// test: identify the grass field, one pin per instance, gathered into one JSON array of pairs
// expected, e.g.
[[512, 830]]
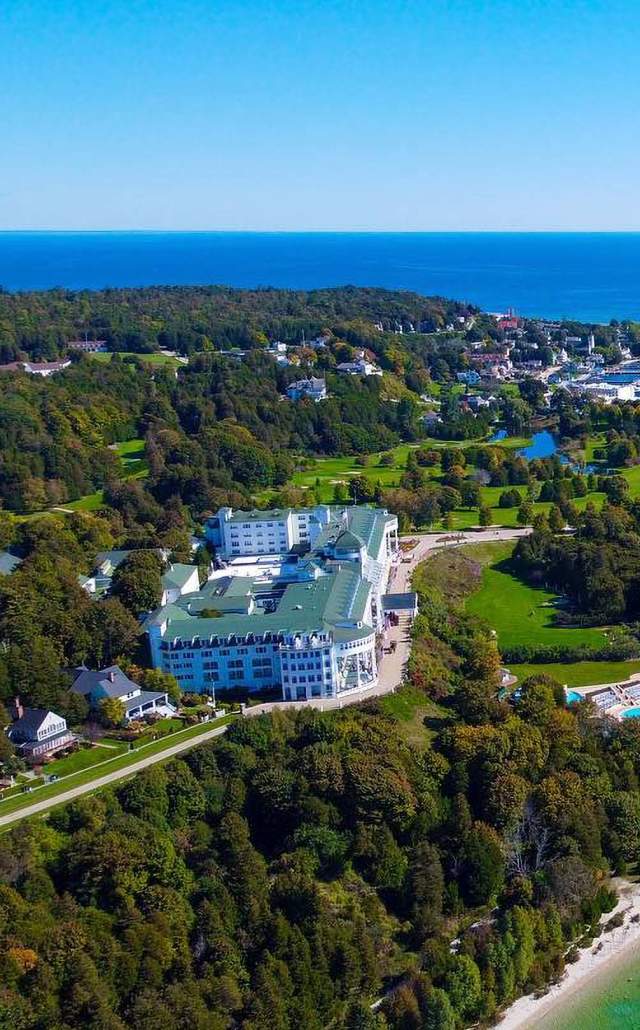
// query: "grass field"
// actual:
[[519, 613], [86, 758], [329, 471], [149, 359], [409, 707], [579, 674]]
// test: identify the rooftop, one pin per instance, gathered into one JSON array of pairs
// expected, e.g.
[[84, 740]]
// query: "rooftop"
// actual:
[[8, 563], [177, 575], [110, 681], [333, 602]]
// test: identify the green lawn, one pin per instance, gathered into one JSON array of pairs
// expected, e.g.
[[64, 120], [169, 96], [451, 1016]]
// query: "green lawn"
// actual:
[[521, 614], [149, 359], [579, 674], [334, 470], [13, 804], [330, 471], [409, 707], [132, 459], [85, 758]]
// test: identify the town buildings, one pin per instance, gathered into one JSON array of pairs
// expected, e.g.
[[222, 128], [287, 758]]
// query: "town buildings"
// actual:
[[36, 368], [300, 604]]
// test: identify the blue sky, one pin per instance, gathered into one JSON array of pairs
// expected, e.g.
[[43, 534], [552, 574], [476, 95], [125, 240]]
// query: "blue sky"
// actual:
[[340, 114]]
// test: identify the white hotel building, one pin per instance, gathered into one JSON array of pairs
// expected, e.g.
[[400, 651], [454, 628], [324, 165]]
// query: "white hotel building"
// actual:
[[299, 604]]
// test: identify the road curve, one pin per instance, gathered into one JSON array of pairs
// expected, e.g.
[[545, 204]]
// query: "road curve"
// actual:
[[112, 777]]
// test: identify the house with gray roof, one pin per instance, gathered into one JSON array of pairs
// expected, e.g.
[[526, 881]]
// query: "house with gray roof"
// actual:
[[38, 733], [97, 685]]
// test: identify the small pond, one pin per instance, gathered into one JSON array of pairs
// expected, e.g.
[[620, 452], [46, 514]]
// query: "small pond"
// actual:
[[543, 445]]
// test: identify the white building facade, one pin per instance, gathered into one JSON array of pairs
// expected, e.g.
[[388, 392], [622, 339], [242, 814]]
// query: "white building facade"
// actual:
[[310, 626]]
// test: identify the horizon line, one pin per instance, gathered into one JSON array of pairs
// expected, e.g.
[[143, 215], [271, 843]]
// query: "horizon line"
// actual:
[[324, 232]]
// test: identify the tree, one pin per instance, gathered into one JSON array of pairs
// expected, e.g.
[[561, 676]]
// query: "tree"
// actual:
[[464, 987], [485, 515], [112, 711], [436, 1010], [556, 520], [470, 493], [525, 513], [137, 581]]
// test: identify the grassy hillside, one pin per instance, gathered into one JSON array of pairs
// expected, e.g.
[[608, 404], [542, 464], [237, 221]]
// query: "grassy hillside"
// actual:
[[519, 613]]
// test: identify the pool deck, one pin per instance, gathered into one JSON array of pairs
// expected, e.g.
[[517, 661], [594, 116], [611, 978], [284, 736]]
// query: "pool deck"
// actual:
[[625, 701]]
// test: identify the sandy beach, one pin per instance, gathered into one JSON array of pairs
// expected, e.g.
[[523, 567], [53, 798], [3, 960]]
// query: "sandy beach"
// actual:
[[599, 960]]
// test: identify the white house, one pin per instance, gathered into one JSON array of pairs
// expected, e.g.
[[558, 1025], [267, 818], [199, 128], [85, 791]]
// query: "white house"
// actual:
[[178, 580], [314, 389], [359, 367], [112, 682], [38, 732], [36, 368]]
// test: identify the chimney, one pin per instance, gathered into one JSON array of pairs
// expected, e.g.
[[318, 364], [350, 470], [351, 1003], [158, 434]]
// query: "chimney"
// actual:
[[18, 710], [111, 676]]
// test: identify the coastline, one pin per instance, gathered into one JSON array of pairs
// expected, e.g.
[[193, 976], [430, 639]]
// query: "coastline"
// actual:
[[608, 954]]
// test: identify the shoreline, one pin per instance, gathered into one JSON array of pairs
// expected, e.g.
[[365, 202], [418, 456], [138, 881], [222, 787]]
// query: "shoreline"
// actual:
[[614, 948]]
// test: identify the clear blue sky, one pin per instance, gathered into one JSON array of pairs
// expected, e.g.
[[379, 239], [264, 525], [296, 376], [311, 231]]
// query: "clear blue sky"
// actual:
[[320, 114]]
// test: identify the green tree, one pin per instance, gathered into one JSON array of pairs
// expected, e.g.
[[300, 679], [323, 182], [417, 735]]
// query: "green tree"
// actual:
[[485, 515], [112, 711]]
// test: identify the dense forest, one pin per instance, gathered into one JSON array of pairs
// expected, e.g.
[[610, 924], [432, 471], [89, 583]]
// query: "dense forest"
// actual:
[[310, 864], [214, 413], [191, 318]]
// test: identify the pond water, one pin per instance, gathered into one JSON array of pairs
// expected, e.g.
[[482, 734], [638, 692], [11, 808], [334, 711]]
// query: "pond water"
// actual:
[[543, 445]]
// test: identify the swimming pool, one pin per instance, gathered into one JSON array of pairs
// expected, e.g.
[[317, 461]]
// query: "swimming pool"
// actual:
[[573, 696], [631, 713]]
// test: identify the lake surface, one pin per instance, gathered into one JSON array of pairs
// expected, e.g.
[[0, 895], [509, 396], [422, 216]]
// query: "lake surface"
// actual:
[[587, 276], [611, 1001]]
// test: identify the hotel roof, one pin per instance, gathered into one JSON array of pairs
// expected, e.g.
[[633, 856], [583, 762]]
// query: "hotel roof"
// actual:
[[335, 603]]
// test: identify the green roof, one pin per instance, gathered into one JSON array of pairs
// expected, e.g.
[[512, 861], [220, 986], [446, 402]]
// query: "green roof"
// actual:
[[323, 604], [177, 575]]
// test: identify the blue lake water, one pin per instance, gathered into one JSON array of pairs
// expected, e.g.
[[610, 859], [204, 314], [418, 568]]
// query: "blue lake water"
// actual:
[[588, 276], [543, 445]]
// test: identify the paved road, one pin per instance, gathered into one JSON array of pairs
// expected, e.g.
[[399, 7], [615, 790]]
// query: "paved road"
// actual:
[[112, 777]]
